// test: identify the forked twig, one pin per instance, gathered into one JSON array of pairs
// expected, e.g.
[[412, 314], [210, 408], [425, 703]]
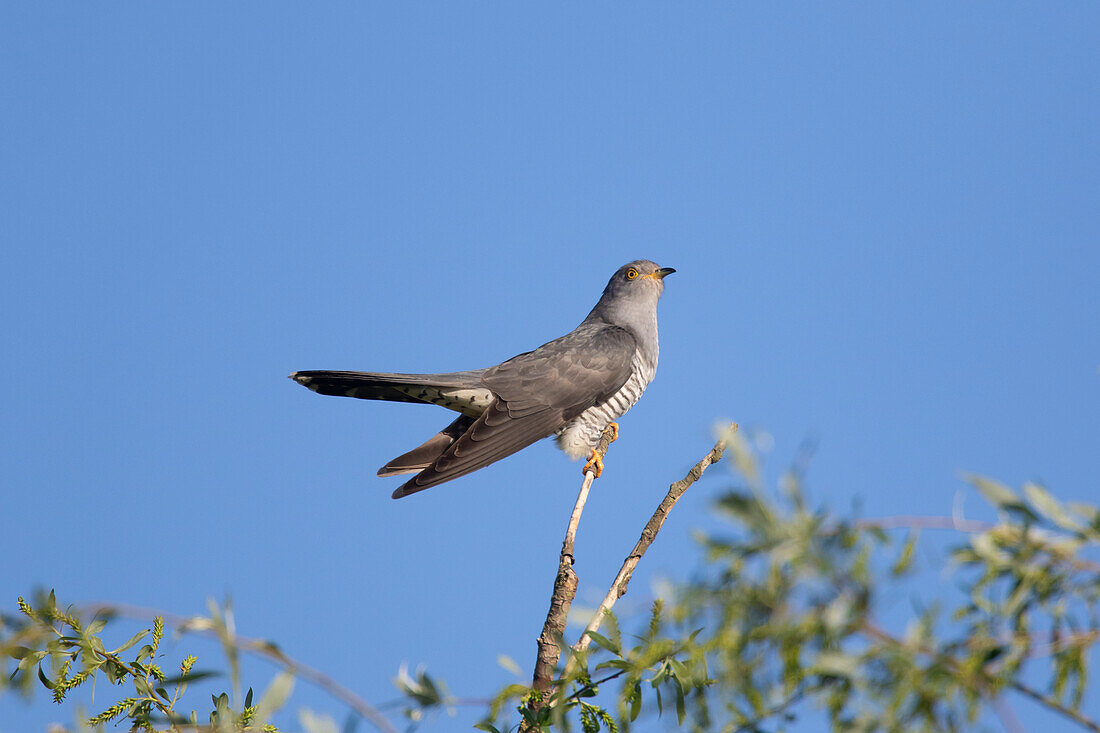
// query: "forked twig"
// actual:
[[565, 583], [649, 533]]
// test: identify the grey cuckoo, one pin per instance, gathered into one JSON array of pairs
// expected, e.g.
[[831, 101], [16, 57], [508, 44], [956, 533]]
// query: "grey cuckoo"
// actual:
[[572, 387]]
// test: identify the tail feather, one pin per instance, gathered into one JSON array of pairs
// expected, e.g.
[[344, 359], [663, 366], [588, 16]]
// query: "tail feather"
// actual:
[[459, 391], [424, 455]]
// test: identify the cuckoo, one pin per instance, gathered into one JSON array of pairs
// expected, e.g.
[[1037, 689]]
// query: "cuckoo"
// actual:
[[572, 387]]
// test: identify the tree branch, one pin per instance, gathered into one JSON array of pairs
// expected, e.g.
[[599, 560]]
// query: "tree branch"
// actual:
[[1049, 701], [754, 724], [561, 600], [922, 522], [257, 647], [649, 533], [1052, 702]]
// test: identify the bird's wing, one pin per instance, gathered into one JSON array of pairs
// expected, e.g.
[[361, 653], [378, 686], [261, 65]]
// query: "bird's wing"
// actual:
[[536, 394]]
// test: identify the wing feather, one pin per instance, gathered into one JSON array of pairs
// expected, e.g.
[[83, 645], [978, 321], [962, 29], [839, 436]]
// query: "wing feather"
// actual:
[[536, 394]]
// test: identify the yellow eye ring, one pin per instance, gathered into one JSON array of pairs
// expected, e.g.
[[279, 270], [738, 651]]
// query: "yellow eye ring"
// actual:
[[631, 274]]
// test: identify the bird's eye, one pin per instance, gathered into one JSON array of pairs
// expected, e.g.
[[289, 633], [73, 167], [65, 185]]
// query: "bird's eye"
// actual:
[[631, 274]]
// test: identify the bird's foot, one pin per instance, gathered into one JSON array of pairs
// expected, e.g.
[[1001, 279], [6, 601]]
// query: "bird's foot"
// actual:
[[594, 464], [614, 431]]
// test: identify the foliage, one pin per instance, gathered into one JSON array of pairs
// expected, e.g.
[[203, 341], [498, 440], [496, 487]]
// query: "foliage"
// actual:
[[150, 700], [788, 612], [793, 609]]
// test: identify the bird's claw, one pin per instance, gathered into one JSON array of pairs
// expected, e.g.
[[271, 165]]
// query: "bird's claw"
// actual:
[[594, 464], [614, 431]]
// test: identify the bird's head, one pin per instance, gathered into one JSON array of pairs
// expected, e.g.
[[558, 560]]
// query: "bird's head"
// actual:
[[630, 298], [638, 277]]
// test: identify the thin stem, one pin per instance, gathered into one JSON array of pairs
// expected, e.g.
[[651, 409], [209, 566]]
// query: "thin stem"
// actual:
[[1053, 703], [649, 534], [260, 648], [569, 544], [561, 600], [597, 683], [919, 522], [755, 722], [1049, 701]]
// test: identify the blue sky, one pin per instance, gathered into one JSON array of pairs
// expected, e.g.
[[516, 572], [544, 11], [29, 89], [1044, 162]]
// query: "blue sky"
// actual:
[[883, 217]]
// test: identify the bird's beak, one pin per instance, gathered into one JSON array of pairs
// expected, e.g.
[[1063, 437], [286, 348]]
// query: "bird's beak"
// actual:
[[663, 272]]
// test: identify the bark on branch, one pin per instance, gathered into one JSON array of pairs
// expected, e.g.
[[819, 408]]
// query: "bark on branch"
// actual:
[[565, 584], [565, 589], [649, 533]]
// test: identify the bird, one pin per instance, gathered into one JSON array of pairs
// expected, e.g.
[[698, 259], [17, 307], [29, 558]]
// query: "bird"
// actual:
[[573, 387]]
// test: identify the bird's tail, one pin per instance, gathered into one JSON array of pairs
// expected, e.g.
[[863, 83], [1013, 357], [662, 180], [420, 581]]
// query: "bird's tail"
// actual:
[[459, 391], [423, 456]]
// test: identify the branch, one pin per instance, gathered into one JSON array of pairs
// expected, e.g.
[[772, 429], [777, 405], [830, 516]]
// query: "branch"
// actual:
[[649, 533], [1048, 700], [967, 526], [257, 647], [921, 522], [754, 724], [1054, 704], [565, 589]]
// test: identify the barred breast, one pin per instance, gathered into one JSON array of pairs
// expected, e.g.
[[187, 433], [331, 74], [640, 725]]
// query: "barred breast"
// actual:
[[582, 433]]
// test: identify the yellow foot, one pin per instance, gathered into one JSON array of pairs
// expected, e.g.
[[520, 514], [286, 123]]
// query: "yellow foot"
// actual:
[[595, 464], [614, 431]]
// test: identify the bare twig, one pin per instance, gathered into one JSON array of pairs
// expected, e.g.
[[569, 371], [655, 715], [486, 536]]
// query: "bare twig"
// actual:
[[257, 647], [569, 543], [1053, 703], [1008, 717], [565, 589], [649, 533]]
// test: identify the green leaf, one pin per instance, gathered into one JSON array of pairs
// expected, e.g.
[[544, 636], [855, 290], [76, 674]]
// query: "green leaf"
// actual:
[[142, 686], [1090, 514], [18, 652], [1002, 497], [905, 557], [45, 681], [995, 492], [660, 676], [1049, 507], [133, 640], [274, 697], [986, 547], [509, 664], [316, 723], [614, 664], [29, 661], [836, 665], [193, 676], [635, 702], [486, 726], [605, 643]]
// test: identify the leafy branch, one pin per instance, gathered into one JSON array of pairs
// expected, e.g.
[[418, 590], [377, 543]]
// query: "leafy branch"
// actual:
[[59, 636]]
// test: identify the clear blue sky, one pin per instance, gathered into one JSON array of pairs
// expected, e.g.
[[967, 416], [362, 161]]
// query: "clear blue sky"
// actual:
[[884, 218]]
